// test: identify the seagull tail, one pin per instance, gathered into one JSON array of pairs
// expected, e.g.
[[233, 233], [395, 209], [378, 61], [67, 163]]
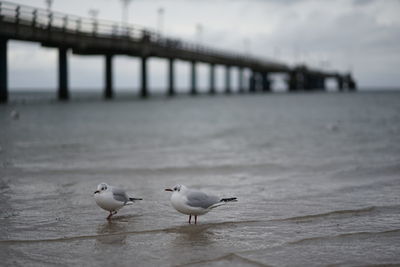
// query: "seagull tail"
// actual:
[[231, 199], [223, 201], [133, 199]]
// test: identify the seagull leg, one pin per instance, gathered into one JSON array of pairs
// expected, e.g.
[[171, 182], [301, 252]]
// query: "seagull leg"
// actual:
[[195, 219], [190, 218], [111, 214]]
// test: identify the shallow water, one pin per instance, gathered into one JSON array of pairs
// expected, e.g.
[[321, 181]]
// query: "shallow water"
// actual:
[[317, 177]]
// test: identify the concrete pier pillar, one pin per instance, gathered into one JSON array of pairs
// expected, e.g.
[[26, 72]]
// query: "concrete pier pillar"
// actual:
[[266, 84], [305, 81], [240, 81], [316, 83], [318, 80], [313, 82], [252, 82], [3, 71], [63, 92], [143, 71], [291, 81], [352, 85], [108, 89], [340, 86], [212, 79], [227, 79], [322, 83], [171, 76], [193, 88]]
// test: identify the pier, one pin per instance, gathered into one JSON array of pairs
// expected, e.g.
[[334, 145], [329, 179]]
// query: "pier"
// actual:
[[85, 36]]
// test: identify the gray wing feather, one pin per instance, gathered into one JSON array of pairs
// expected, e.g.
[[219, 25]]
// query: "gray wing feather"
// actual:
[[120, 195], [201, 200]]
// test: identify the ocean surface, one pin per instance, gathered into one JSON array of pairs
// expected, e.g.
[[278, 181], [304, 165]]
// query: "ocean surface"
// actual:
[[317, 176]]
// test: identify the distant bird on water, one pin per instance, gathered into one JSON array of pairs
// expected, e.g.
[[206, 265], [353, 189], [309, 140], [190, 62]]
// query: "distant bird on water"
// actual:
[[14, 114], [112, 199], [193, 202]]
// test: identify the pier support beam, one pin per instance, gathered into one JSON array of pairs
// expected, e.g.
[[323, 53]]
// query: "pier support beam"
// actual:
[[108, 90], [291, 81], [322, 83], [252, 82], [63, 92], [3, 71], [352, 85], [306, 84], [171, 76], [240, 73], [227, 79], [193, 88], [339, 80], [312, 82], [212, 79], [317, 82], [143, 90], [266, 83]]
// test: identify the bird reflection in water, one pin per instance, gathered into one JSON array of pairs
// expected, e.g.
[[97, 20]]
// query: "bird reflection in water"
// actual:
[[112, 232]]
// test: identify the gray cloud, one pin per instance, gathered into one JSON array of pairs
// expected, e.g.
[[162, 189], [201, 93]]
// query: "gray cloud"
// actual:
[[362, 2]]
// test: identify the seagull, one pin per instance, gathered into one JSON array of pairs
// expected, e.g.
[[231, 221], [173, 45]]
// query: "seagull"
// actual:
[[111, 198], [193, 202]]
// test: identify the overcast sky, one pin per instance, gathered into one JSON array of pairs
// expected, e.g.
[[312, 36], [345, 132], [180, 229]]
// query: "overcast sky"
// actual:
[[361, 36]]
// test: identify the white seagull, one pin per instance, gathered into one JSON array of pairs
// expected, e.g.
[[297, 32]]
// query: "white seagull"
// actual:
[[111, 198], [193, 202]]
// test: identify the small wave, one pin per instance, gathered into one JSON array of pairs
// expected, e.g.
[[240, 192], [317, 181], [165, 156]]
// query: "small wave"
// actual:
[[317, 238], [328, 214], [229, 257], [160, 170], [8, 214], [178, 229]]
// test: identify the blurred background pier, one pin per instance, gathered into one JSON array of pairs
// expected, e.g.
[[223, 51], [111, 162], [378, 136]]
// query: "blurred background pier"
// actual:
[[90, 36]]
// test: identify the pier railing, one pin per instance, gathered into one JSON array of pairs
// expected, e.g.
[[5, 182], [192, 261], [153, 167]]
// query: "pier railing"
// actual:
[[55, 21]]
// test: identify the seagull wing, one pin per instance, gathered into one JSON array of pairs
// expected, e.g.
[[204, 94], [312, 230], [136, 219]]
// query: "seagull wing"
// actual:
[[199, 199], [120, 195]]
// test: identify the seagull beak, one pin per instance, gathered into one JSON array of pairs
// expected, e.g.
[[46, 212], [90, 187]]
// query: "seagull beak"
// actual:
[[97, 191], [169, 189]]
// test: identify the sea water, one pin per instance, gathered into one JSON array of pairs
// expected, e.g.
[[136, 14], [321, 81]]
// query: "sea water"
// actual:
[[317, 177]]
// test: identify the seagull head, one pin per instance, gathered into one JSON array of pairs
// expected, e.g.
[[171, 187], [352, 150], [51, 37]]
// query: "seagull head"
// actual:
[[176, 188], [101, 187]]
